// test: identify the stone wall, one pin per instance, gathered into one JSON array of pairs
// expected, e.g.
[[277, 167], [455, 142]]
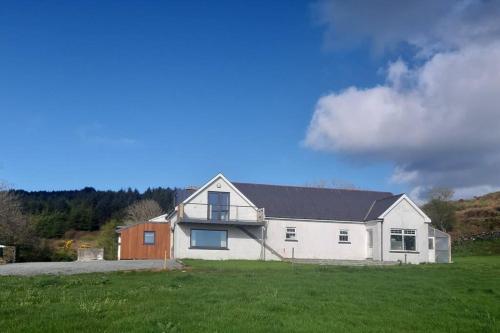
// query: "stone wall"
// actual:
[[7, 254], [491, 235]]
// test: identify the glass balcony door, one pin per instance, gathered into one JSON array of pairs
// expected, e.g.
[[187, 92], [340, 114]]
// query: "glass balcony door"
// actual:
[[218, 206]]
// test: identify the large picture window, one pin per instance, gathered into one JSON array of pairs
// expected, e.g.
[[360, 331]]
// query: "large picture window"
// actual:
[[403, 240], [208, 239], [218, 206]]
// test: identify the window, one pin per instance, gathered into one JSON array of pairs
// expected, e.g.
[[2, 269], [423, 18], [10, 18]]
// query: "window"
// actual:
[[431, 243], [290, 234], [218, 206], [149, 238], [208, 239], [344, 236], [403, 240]]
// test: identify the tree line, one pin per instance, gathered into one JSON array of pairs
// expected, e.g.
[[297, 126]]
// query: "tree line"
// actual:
[[29, 219], [54, 213]]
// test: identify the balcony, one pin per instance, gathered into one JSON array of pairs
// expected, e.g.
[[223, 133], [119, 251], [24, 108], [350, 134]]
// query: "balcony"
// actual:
[[220, 214]]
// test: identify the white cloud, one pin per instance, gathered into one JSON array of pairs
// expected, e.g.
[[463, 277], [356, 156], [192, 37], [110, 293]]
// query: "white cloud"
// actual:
[[469, 192], [438, 122], [96, 134]]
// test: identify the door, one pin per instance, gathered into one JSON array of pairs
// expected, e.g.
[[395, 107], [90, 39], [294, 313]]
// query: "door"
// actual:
[[369, 250], [432, 250], [218, 206]]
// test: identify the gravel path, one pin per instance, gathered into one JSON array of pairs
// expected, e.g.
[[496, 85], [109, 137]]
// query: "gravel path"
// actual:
[[78, 267]]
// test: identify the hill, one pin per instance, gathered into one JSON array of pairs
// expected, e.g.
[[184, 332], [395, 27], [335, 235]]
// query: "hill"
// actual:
[[477, 231], [480, 215]]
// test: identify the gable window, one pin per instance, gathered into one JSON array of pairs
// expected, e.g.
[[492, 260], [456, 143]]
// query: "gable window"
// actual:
[[290, 234], [403, 240], [344, 236], [218, 206], [208, 239], [149, 238]]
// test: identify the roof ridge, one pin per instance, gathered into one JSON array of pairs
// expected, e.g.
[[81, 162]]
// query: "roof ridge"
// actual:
[[318, 188]]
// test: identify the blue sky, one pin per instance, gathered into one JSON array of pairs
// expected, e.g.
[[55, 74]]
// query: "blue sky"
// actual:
[[116, 94]]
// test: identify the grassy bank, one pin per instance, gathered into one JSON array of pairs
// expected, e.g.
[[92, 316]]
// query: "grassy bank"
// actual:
[[489, 247], [240, 296]]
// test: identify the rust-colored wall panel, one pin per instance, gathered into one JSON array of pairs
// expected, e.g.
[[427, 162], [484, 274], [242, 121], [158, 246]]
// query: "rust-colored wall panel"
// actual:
[[132, 241]]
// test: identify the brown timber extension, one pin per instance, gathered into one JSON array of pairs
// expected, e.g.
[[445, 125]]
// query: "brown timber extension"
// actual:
[[134, 242]]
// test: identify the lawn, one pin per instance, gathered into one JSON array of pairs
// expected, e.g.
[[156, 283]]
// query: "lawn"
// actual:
[[239, 296]]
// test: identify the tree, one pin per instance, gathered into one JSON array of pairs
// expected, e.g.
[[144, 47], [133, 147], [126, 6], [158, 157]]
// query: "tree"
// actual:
[[440, 193], [440, 209], [14, 226], [52, 225], [108, 239], [17, 230], [85, 209], [164, 197], [142, 211]]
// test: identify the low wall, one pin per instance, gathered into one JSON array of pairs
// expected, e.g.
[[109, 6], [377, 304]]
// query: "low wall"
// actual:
[[90, 254], [491, 235], [7, 254]]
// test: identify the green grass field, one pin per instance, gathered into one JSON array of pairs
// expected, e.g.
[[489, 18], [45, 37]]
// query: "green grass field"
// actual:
[[239, 296]]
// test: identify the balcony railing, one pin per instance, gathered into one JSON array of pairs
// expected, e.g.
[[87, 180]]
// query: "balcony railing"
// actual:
[[219, 213]]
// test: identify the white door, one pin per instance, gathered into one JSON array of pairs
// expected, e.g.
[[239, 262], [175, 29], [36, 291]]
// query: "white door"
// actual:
[[369, 249], [432, 250]]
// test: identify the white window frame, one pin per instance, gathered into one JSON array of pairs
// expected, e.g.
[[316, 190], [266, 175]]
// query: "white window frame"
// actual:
[[291, 234], [403, 233], [344, 236]]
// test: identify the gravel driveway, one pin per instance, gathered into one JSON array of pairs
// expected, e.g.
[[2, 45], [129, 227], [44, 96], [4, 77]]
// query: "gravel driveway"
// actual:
[[77, 267]]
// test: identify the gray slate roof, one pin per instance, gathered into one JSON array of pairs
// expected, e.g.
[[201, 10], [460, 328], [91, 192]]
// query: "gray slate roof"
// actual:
[[182, 194], [317, 203], [381, 206]]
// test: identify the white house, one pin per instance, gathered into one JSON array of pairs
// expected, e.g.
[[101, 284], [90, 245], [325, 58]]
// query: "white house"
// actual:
[[225, 220]]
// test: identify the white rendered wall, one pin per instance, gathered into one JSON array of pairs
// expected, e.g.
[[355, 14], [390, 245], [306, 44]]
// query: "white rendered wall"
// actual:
[[239, 244], [318, 240], [240, 208], [404, 216]]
